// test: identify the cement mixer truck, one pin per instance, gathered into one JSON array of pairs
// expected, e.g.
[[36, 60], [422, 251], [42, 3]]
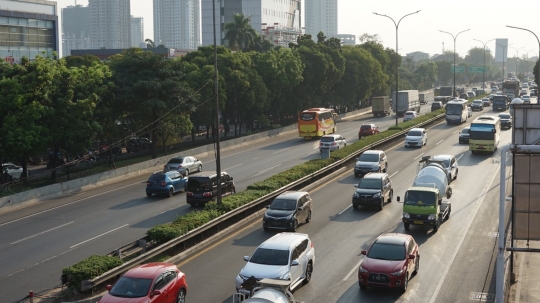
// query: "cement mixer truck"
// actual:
[[422, 203], [265, 291]]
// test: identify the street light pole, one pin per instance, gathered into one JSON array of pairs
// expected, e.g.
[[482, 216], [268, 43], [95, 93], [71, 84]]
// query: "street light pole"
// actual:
[[216, 100], [454, 37], [397, 67], [538, 40], [517, 58], [484, 74]]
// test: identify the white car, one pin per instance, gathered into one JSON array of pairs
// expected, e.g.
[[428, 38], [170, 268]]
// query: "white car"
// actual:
[[526, 99], [13, 170], [450, 164], [285, 256], [333, 142], [409, 115], [416, 137]]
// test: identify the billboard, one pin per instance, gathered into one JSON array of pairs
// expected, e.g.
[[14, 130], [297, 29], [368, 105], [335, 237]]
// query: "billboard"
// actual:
[[501, 50]]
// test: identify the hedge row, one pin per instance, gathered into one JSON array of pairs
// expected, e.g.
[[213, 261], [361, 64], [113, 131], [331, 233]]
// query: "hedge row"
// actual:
[[97, 265]]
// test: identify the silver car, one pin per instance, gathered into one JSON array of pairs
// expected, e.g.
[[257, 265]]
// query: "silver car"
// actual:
[[333, 142], [285, 256], [13, 170], [416, 137], [450, 164], [184, 165]]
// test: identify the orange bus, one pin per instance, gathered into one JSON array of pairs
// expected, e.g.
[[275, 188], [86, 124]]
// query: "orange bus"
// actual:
[[316, 122]]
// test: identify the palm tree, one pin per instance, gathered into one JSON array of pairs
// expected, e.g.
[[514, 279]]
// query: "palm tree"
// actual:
[[240, 34]]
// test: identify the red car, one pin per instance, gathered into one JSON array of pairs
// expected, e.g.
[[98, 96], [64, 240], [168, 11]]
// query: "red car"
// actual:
[[390, 262], [367, 130], [149, 283]]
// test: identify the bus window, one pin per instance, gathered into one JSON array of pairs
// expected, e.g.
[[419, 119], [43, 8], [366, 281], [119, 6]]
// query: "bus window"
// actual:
[[307, 116]]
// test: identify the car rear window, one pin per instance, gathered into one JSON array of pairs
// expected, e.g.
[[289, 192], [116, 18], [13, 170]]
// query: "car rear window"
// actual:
[[129, 287], [176, 160], [365, 127], [195, 183], [157, 177], [504, 116], [327, 139]]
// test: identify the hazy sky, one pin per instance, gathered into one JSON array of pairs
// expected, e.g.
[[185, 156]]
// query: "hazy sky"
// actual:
[[420, 32]]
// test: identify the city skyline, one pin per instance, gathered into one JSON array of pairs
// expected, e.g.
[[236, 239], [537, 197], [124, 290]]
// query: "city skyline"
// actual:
[[419, 32]]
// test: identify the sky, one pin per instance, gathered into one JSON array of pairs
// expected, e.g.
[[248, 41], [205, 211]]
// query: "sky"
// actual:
[[486, 19]]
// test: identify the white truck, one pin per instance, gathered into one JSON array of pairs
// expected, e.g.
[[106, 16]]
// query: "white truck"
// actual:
[[380, 106], [266, 291], [406, 100]]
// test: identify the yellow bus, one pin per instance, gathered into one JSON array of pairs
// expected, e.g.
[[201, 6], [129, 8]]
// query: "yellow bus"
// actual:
[[484, 134], [316, 122]]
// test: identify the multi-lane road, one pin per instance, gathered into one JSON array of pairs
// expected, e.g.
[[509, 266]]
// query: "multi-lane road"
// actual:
[[38, 241]]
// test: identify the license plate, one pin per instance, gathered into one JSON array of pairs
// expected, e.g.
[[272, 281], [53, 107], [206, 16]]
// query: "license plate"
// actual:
[[418, 222]]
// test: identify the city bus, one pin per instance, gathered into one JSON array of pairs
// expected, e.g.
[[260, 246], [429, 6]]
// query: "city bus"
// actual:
[[316, 122], [484, 134], [457, 111]]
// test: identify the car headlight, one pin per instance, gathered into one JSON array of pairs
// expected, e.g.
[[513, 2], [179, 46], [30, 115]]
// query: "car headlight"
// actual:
[[243, 277], [285, 276], [362, 270], [375, 166], [356, 195], [431, 217], [406, 216], [290, 216], [398, 273], [377, 195]]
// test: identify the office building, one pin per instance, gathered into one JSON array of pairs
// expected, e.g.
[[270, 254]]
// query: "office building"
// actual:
[[28, 28], [279, 21], [75, 29], [137, 32], [177, 23], [418, 56], [346, 39], [321, 16], [501, 50], [110, 24]]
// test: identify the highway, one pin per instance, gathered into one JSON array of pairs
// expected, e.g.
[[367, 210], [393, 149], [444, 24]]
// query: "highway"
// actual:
[[60, 232], [457, 263]]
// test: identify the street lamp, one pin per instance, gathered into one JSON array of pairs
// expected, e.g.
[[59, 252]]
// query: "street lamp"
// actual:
[[517, 57], [484, 74], [504, 49], [216, 99], [454, 37], [536, 80], [396, 25]]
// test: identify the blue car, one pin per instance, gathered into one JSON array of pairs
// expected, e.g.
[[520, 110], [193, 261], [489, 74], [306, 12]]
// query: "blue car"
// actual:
[[165, 183]]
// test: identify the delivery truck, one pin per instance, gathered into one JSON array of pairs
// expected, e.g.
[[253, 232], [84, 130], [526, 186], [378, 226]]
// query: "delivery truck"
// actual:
[[380, 106], [406, 100]]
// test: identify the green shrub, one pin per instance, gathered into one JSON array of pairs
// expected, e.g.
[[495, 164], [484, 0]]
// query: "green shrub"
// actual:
[[89, 268]]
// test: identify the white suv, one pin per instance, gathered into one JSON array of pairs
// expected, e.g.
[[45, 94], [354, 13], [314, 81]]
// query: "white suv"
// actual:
[[450, 164], [285, 256], [416, 137]]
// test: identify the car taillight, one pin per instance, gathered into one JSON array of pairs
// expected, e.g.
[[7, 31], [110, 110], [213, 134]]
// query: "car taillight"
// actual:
[[163, 183], [333, 143], [148, 183], [207, 194], [311, 244], [189, 194], [179, 166]]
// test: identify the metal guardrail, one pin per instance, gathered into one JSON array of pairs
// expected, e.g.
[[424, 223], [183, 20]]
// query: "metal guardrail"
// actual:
[[89, 284]]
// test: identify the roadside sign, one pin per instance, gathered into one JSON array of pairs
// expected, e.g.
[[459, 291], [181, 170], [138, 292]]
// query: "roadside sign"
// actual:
[[476, 69], [459, 69]]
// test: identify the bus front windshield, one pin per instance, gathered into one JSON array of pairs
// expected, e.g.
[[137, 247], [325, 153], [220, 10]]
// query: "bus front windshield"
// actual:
[[482, 132], [454, 109], [421, 198]]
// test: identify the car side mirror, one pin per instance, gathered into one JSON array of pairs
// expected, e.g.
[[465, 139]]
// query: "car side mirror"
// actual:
[[356, 185], [412, 257], [300, 208], [108, 287], [294, 263], [364, 252], [156, 292], [246, 258], [267, 206]]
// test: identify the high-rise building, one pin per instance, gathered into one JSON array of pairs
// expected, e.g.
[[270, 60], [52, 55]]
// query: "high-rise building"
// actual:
[[75, 29], [110, 24], [501, 50], [177, 23], [137, 32], [321, 16], [279, 21], [28, 28]]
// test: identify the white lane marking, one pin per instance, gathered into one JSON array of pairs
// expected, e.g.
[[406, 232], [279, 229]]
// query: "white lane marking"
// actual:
[[110, 231], [164, 211], [455, 131], [281, 150], [73, 202], [344, 209], [263, 171], [42, 233], [233, 166], [38, 263], [343, 130], [439, 142], [394, 174], [353, 269], [460, 157], [458, 247], [420, 155]]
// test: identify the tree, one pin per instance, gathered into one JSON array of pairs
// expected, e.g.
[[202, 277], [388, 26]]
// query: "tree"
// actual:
[[444, 72], [240, 34], [261, 45], [79, 61], [475, 56], [367, 38]]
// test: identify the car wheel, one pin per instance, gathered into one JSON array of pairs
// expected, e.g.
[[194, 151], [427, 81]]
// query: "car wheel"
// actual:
[[385, 168], [308, 217], [265, 228], [181, 298], [356, 175], [455, 177], [233, 191], [355, 206], [437, 225], [295, 225], [391, 196], [407, 226], [381, 204], [200, 168], [171, 192], [405, 283], [417, 264], [359, 138], [362, 286], [309, 271], [148, 194], [186, 173]]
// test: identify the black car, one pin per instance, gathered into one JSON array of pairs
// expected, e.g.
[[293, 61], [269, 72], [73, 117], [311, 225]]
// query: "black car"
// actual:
[[288, 210], [202, 188], [464, 135], [477, 105], [506, 120], [374, 189], [138, 144], [436, 105]]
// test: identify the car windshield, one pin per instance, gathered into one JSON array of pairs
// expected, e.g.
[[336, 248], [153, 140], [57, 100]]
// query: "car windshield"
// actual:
[[369, 158], [415, 133], [327, 139], [477, 102], [283, 204], [414, 197], [465, 131], [370, 183], [129, 287], [176, 160], [504, 116], [383, 251], [267, 256], [409, 114]]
